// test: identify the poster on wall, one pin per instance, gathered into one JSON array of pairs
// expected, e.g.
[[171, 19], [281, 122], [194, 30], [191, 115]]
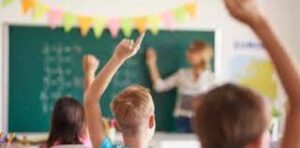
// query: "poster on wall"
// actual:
[[250, 66]]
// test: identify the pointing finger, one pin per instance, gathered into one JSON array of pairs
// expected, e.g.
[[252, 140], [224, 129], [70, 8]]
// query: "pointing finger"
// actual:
[[139, 40]]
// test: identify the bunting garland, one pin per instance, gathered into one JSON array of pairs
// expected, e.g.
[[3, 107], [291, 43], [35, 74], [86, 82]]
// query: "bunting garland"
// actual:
[[126, 26], [180, 14], [68, 20], [85, 24], [154, 22], [168, 18], [140, 23], [191, 9], [27, 5], [113, 26], [39, 10], [6, 2], [55, 17], [99, 25]]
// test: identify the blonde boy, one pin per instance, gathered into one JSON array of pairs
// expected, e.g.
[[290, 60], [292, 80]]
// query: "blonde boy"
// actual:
[[133, 108]]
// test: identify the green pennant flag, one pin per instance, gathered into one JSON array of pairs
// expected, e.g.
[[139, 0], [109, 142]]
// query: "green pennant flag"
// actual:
[[69, 21], [6, 2], [127, 25], [180, 14], [99, 24]]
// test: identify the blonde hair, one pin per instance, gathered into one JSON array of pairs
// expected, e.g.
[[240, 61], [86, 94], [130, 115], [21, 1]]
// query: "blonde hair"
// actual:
[[202, 47], [131, 108]]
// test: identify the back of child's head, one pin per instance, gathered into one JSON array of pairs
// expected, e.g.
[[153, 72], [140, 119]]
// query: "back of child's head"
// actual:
[[68, 122], [231, 117], [203, 49], [132, 109]]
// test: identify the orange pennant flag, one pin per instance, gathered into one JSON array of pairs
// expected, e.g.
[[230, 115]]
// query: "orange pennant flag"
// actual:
[[140, 23], [27, 5], [84, 24], [191, 8]]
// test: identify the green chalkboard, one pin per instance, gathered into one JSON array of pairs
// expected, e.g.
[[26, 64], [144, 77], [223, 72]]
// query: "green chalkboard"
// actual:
[[45, 64]]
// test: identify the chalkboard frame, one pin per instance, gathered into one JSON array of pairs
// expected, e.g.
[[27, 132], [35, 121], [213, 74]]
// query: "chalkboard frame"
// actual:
[[5, 63]]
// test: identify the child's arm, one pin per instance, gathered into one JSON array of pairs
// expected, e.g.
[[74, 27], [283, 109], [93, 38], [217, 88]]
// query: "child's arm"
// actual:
[[247, 12], [124, 50], [89, 64]]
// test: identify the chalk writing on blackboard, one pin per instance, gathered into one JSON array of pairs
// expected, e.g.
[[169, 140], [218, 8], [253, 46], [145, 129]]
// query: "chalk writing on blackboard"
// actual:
[[58, 73]]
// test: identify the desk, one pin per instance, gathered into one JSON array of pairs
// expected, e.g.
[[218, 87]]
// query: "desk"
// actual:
[[172, 140], [160, 140]]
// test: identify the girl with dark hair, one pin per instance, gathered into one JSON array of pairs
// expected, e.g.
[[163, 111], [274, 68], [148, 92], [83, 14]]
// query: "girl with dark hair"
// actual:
[[68, 123]]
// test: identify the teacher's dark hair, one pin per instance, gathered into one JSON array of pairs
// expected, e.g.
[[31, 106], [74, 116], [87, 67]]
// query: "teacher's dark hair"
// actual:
[[67, 122]]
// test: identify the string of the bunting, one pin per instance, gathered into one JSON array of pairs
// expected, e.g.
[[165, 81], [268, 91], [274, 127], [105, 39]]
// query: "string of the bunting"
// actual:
[[56, 17]]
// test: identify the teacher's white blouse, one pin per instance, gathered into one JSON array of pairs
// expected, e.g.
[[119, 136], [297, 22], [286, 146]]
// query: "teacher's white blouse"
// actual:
[[187, 87]]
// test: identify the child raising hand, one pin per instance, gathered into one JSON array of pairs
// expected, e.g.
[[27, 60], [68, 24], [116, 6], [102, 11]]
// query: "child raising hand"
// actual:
[[133, 108], [232, 116]]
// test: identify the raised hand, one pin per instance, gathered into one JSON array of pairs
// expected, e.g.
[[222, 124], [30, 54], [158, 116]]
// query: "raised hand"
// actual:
[[90, 64], [245, 11], [127, 48], [151, 56]]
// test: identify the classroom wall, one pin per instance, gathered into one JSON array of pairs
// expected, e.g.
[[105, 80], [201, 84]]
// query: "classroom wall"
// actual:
[[296, 24], [211, 15]]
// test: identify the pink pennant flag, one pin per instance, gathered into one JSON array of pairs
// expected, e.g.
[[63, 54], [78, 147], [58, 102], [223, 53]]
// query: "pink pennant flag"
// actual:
[[55, 17], [113, 26], [168, 19]]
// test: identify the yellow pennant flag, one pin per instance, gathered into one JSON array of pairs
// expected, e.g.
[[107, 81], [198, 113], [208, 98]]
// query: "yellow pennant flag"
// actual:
[[191, 8], [39, 10], [140, 23], [84, 24], [27, 5], [98, 26], [154, 22]]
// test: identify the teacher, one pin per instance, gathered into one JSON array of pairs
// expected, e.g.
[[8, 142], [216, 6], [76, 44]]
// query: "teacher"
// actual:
[[190, 82]]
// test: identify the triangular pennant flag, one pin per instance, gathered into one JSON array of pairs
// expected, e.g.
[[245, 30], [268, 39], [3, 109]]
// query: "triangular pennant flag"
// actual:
[[127, 25], [55, 17], [99, 24], [84, 24], [69, 21], [180, 14], [191, 8], [39, 10], [113, 26], [168, 19], [140, 23], [27, 5], [154, 22], [6, 2]]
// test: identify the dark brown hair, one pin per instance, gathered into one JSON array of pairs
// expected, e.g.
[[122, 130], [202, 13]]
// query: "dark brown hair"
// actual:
[[67, 122], [131, 108], [230, 116], [199, 47]]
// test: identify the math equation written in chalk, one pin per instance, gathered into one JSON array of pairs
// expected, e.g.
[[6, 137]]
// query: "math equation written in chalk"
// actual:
[[59, 76]]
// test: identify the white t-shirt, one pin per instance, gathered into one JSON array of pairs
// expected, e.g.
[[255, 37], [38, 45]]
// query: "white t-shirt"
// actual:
[[187, 87]]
